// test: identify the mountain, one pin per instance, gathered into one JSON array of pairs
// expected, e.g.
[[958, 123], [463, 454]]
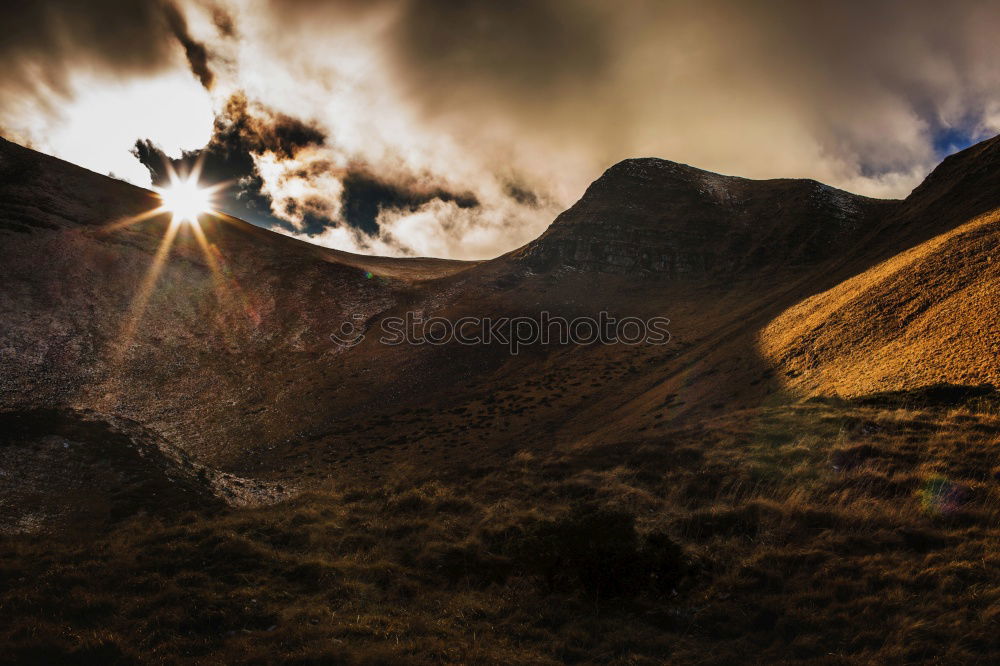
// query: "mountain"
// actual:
[[812, 448], [771, 287], [215, 337], [655, 216]]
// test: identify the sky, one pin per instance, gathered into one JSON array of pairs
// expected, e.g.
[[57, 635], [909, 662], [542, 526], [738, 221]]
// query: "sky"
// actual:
[[461, 129]]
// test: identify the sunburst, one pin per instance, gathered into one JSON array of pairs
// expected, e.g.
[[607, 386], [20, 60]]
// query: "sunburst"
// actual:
[[186, 200]]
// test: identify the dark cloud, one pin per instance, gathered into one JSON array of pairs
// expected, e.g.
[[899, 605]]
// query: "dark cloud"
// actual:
[[241, 130], [223, 21], [47, 38], [242, 197], [245, 129], [531, 49], [521, 193], [365, 195], [197, 55]]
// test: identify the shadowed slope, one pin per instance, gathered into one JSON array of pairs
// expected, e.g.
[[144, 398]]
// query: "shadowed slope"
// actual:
[[230, 356], [655, 216], [200, 343]]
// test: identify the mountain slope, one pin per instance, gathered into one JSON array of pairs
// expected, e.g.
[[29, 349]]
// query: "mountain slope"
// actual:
[[926, 314], [228, 354], [655, 216], [428, 503], [195, 349]]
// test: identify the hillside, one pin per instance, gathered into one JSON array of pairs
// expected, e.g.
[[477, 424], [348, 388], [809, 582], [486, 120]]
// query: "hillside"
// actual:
[[770, 287], [926, 315], [191, 469]]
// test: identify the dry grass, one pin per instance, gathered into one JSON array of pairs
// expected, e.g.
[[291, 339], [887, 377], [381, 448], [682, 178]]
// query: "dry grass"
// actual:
[[823, 532], [934, 302]]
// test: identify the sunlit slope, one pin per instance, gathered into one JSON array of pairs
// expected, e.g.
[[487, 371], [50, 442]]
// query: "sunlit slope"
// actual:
[[928, 315]]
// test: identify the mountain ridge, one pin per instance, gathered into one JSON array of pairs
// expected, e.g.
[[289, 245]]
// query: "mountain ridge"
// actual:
[[653, 216], [743, 254]]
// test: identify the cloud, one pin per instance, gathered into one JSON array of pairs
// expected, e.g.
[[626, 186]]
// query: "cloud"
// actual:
[[548, 94], [519, 50], [197, 54], [436, 228], [460, 129], [284, 173], [853, 97], [84, 80], [45, 41], [243, 132], [304, 191], [366, 196]]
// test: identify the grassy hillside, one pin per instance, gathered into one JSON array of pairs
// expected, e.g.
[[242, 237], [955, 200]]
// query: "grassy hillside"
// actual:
[[194, 471], [930, 314], [827, 531]]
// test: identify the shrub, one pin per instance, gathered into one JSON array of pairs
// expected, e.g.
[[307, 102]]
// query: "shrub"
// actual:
[[597, 551]]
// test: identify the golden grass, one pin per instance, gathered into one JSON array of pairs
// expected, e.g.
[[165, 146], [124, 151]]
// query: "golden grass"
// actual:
[[935, 302]]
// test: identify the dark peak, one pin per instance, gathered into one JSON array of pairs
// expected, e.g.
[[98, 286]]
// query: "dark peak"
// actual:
[[657, 216], [651, 215], [651, 180], [963, 185], [640, 166], [654, 169]]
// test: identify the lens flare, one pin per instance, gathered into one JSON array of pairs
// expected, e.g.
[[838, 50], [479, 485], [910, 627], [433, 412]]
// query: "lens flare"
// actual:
[[942, 497], [185, 198]]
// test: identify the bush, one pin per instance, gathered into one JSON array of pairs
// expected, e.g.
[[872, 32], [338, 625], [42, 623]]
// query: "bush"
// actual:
[[597, 551]]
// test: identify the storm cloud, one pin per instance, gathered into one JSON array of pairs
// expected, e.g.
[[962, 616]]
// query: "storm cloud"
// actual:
[[244, 132], [197, 54], [460, 129], [45, 39]]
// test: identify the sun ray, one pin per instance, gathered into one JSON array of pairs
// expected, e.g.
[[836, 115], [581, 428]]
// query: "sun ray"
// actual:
[[224, 292], [185, 200], [227, 288], [145, 291], [133, 219]]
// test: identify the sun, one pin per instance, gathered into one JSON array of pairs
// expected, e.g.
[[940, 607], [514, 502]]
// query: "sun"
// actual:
[[186, 199]]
